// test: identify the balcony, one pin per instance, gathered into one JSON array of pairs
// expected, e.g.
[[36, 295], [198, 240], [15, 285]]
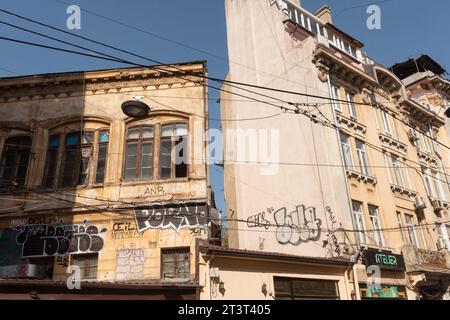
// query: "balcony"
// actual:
[[427, 270], [392, 143], [351, 174], [420, 259], [351, 124], [403, 191]]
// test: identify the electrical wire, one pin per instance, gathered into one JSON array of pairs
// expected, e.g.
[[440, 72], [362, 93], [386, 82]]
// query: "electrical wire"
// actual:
[[230, 83]]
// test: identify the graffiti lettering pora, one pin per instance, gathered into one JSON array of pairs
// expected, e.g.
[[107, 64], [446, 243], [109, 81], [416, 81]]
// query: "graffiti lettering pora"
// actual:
[[51, 240]]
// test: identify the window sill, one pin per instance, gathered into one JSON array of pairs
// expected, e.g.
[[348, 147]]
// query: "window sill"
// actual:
[[361, 177], [391, 142], [146, 182], [403, 191]]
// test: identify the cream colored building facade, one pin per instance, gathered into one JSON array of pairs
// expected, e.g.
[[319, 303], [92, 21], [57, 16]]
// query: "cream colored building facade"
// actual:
[[83, 184], [380, 180]]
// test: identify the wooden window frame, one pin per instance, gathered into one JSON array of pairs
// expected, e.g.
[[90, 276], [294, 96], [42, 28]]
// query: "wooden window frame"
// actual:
[[173, 144], [93, 160], [17, 149], [140, 141], [82, 272], [174, 250]]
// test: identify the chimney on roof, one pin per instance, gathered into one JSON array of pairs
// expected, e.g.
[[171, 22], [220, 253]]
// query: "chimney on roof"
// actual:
[[324, 14]]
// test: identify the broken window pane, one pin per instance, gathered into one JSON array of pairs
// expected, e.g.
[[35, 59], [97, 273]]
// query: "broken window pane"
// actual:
[[14, 162]]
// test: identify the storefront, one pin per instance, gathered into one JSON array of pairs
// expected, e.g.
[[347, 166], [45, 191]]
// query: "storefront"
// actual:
[[382, 276]]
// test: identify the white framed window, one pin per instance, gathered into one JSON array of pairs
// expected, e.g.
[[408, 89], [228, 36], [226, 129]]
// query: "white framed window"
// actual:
[[346, 150], [425, 144], [388, 168], [362, 157], [438, 186], [397, 171], [411, 232], [400, 225], [386, 124], [408, 176], [422, 233], [376, 225], [443, 232], [351, 105], [337, 96], [358, 221], [428, 184]]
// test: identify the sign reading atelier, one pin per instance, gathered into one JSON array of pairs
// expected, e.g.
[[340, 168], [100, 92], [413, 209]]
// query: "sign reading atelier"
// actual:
[[385, 260], [174, 215]]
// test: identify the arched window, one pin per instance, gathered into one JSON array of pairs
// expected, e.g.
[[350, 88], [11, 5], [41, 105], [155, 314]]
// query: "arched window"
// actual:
[[158, 152], [14, 162], [76, 158]]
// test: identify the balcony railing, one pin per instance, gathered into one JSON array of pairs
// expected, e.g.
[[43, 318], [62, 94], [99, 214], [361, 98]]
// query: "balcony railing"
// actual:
[[315, 26]]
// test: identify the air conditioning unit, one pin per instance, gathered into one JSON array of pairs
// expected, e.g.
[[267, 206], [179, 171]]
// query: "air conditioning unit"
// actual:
[[419, 203], [441, 244], [412, 135], [438, 204]]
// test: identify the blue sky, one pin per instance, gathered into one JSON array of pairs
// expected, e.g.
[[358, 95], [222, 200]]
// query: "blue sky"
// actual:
[[409, 28]]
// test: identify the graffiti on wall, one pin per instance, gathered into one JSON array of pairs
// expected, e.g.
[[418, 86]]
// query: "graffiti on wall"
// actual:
[[130, 262], [39, 240], [175, 215], [292, 228], [124, 230]]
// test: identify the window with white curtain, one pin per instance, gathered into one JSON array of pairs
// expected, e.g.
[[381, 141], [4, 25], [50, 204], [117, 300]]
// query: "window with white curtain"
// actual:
[[397, 171], [388, 168], [351, 105], [438, 186], [336, 95], [427, 179], [362, 157], [400, 225], [376, 225], [411, 231], [358, 220], [346, 151], [386, 124]]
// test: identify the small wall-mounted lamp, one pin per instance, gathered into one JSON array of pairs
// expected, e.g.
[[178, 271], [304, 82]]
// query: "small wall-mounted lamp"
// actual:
[[136, 108], [222, 288], [264, 289]]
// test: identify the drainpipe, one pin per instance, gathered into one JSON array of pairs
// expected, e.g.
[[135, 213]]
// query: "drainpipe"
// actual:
[[355, 275]]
